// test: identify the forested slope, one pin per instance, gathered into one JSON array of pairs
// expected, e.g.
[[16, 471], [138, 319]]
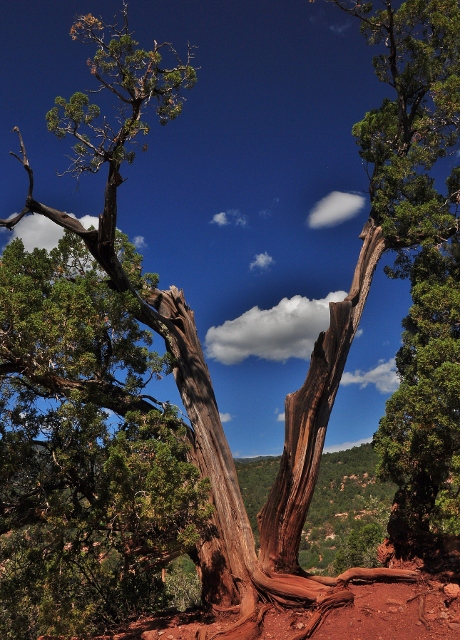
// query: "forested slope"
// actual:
[[349, 509]]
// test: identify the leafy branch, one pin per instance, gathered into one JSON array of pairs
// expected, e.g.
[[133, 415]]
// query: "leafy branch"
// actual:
[[135, 77]]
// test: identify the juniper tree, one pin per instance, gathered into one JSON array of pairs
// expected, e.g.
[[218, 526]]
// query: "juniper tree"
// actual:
[[400, 142], [96, 494], [419, 438]]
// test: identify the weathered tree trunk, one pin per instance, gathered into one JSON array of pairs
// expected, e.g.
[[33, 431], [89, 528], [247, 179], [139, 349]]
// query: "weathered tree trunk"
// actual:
[[230, 569], [227, 558], [307, 414]]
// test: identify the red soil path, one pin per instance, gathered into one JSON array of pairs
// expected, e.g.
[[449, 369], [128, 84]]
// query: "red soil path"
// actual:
[[381, 611]]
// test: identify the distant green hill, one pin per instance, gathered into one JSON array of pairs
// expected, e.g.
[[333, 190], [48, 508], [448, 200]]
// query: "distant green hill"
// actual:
[[348, 496]]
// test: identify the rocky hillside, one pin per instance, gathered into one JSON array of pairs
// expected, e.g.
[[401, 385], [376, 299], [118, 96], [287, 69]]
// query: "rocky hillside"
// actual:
[[348, 498]]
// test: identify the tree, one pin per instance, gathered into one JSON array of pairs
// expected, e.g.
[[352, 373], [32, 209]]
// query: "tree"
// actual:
[[400, 142], [419, 437], [96, 494]]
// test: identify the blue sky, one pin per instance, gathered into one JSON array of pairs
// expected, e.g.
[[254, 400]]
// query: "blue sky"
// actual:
[[251, 201]]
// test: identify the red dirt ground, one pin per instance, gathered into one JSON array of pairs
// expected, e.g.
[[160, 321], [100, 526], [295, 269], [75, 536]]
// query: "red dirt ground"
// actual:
[[381, 611]]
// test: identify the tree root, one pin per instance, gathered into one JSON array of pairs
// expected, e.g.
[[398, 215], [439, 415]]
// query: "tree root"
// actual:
[[377, 575], [288, 586], [288, 590], [341, 598], [421, 609], [218, 609], [248, 628]]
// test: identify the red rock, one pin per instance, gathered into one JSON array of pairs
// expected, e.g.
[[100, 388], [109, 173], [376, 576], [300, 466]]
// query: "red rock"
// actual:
[[452, 590]]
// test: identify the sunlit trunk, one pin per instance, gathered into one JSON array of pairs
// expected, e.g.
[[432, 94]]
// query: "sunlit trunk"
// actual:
[[307, 414]]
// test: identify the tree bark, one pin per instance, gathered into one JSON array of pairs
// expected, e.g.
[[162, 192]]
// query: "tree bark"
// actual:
[[307, 414], [227, 559], [231, 572]]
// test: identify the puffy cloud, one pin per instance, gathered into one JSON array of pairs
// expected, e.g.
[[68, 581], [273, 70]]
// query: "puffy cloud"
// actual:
[[88, 221], [220, 219], [36, 231], [281, 417], [139, 242], [225, 417], [232, 216], [239, 218], [261, 261], [346, 445], [335, 208], [288, 330], [383, 376]]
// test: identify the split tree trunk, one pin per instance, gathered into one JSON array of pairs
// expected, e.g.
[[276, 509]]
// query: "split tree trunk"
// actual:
[[230, 569], [307, 414]]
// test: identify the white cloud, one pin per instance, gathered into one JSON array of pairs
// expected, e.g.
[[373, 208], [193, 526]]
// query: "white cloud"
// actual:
[[335, 208], [359, 333], [88, 221], [281, 417], [261, 261], [36, 231], [220, 219], [139, 242], [383, 376], [346, 445], [288, 330], [239, 218], [225, 417], [232, 216], [266, 213]]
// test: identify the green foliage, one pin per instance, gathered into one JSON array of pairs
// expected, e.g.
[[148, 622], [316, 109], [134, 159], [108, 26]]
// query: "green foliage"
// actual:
[[135, 77], [403, 139], [86, 331], [183, 585], [48, 586], [419, 438], [446, 514], [404, 144], [255, 478], [359, 548], [96, 493]]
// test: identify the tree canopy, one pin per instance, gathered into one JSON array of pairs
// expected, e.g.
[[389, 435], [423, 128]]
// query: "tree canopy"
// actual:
[[419, 437], [96, 493], [410, 146]]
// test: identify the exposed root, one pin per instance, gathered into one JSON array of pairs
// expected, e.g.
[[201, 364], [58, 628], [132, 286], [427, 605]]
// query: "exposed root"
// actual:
[[326, 580], [421, 612], [368, 575], [377, 575], [341, 598], [289, 587], [248, 628], [219, 609], [289, 590], [421, 609], [282, 603]]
